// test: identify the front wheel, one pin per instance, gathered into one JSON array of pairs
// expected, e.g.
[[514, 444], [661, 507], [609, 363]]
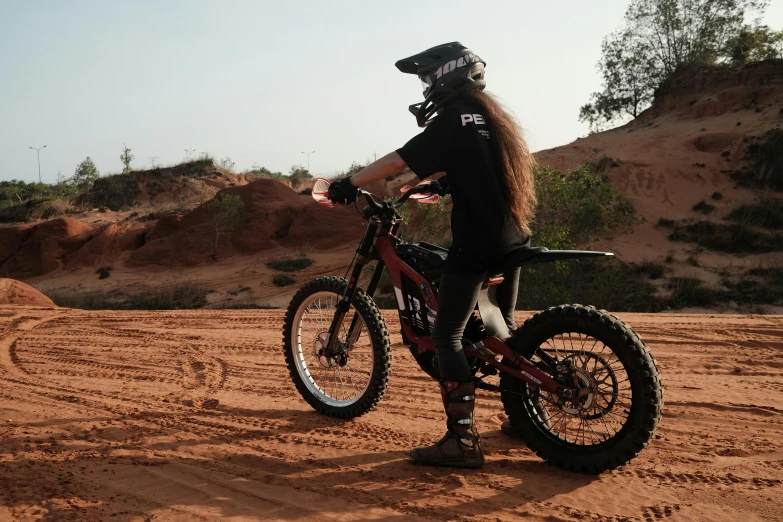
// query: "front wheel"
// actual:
[[620, 407], [351, 379]]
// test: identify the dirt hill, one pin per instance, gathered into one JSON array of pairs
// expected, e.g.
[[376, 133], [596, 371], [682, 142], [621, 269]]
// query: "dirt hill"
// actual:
[[678, 163], [193, 181]]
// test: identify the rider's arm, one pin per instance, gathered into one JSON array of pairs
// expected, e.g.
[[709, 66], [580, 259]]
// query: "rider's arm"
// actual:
[[389, 165]]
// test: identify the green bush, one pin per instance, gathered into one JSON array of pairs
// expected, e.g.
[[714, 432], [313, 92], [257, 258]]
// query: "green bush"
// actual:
[[717, 196], [666, 223], [605, 283], [577, 207], [283, 280], [289, 264], [116, 191]]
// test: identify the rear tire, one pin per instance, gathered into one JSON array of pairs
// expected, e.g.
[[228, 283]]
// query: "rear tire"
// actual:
[[312, 374], [539, 426]]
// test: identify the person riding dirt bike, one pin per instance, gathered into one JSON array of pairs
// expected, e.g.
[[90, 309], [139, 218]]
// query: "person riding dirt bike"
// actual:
[[488, 172]]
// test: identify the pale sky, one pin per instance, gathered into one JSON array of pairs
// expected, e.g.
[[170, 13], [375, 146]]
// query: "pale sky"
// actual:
[[261, 82]]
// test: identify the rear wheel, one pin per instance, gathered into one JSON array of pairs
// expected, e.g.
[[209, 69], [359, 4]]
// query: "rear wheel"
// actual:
[[350, 380], [617, 414]]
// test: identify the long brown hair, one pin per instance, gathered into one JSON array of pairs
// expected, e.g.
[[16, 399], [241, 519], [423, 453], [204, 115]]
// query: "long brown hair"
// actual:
[[513, 157]]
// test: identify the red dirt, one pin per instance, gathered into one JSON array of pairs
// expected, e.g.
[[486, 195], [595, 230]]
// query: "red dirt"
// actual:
[[13, 292], [192, 415], [45, 248]]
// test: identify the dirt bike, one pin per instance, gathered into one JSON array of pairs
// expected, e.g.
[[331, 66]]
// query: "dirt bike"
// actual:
[[577, 384]]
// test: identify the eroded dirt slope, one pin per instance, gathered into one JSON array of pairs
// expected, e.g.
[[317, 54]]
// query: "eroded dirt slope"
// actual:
[[191, 415]]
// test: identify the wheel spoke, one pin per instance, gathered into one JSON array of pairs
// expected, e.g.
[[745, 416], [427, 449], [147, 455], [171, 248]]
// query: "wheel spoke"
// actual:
[[599, 414]]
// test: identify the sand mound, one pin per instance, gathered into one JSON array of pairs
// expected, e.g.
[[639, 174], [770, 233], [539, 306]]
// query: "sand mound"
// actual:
[[13, 292], [42, 248], [108, 243], [269, 210], [321, 227]]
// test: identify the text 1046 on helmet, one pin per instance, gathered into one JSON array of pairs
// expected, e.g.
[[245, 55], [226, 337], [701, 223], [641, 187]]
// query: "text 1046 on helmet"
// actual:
[[446, 71]]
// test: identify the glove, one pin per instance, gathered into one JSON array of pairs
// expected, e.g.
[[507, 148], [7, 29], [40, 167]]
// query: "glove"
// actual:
[[443, 187], [342, 192]]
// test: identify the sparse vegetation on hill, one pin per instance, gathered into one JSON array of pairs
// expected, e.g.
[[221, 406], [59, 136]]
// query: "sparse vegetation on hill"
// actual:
[[289, 264], [764, 156], [767, 213], [173, 298], [731, 238]]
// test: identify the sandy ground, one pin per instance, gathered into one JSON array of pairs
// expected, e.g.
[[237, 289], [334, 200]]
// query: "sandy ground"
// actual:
[[191, 415]]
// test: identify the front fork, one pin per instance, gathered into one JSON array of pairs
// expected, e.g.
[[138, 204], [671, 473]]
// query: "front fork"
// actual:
[[361, 259]]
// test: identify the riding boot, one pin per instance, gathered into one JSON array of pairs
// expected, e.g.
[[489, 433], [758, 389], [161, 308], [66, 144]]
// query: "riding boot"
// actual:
[[460, 447]]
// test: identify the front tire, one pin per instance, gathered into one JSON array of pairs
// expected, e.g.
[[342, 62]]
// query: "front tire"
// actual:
[[352, 383], [619, 415]]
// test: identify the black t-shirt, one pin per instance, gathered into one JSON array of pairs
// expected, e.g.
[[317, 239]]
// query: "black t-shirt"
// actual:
[[458, 142]]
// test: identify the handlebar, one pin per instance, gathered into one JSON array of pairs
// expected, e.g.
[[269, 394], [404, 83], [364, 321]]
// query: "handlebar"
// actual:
[[433, 187]]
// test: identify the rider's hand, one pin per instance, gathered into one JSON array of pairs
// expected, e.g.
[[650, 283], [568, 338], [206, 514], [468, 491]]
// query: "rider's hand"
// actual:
[[443, 185], [343, 192]]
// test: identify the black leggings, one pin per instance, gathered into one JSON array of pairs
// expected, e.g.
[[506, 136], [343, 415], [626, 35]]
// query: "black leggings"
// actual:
[[457, 297]]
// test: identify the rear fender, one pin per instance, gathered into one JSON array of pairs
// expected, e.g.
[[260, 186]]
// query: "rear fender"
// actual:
[[564, 255]]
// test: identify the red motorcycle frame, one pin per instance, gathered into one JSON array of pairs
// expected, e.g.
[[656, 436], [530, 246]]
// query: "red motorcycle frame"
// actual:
[[378, 244]]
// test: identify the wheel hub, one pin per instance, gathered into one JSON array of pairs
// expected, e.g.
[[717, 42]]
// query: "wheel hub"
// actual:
[[330, 358], [584, 399]]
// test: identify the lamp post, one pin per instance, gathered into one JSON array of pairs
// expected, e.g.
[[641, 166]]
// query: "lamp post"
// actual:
[[38, 151], [308, 159]]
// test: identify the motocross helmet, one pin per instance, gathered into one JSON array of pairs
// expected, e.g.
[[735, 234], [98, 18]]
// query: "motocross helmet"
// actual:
[[445, 71]]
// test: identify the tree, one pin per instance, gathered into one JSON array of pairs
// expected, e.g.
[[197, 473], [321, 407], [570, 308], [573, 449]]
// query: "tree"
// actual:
[[657, 37], [299, 174], [228, 211], [85, 174], [126, 157], [227, 163], [753, 44]]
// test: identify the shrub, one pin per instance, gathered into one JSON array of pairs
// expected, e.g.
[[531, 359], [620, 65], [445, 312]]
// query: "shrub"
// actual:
[[283, 280], [732, 238], [289, 264], [717, 196], [703, 207], [116, 191], [228, 210], [767, 213], [601, 282], [649, 269], [665, 223], [428, 222], [578, 207], [50, 209], [170, 298], [104, 271], [689, 291], [764, 158]]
